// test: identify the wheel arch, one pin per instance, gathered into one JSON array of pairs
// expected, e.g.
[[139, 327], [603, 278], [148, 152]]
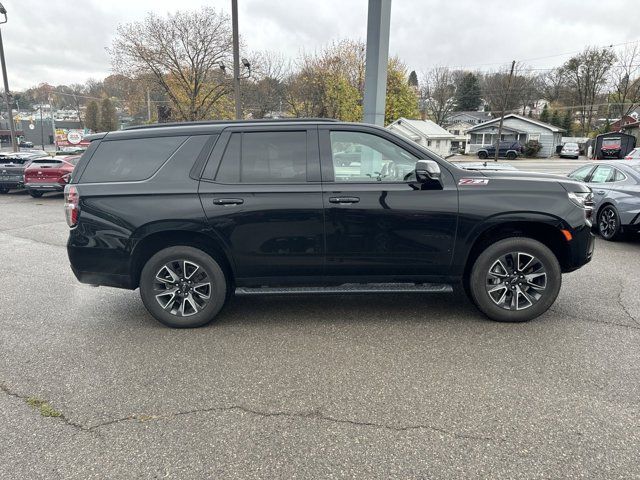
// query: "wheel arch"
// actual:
[[152, 243], [546, 232]]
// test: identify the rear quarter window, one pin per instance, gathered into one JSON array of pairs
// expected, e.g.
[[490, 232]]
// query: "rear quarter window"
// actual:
[[130, 160]]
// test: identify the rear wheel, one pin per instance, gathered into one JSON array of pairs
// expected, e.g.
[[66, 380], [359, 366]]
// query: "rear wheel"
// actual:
[[4, 190], [515, 280], [511, 155], [183, 287], [609, 223], [482, 155], [35, 193]]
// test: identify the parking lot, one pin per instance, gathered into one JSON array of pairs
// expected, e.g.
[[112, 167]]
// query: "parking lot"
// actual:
[[386, 386]]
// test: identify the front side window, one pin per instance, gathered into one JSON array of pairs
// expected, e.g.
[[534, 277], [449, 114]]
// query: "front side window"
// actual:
[[265, 157], [581, 174], [602, 174], [364, 157]]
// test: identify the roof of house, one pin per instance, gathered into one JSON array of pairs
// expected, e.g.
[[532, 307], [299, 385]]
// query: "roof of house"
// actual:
[[472, 113], [547, 126], [421, 128]]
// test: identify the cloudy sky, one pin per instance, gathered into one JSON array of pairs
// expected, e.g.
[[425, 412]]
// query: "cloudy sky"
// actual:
[[64, 42]]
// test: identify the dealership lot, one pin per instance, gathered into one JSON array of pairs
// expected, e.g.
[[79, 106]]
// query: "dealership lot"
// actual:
[[386, 386]]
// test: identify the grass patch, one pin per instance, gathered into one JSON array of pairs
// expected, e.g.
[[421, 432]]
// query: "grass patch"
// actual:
[[46, 410]]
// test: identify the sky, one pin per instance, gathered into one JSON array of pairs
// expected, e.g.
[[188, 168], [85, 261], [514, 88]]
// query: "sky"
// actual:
[[64, 42]]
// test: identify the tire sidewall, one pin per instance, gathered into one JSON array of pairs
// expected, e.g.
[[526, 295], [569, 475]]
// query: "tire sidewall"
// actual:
[[477, 280], [206, 262]]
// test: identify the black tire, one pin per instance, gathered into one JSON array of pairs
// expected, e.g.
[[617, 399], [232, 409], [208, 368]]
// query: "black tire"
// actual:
[[482, 155], [35, 193], [543, 260], [511, 155], [4, 190], [609, 226], [176, 256]]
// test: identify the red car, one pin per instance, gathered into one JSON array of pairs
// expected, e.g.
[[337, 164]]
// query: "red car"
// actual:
[[48, 175]]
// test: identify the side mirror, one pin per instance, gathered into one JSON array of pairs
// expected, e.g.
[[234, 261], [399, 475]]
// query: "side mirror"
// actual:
[[427, 170]]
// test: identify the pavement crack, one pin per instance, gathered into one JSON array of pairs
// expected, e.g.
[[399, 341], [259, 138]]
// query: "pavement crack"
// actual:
[[594, 320], [60, 416], [624, 307], [312, 414]]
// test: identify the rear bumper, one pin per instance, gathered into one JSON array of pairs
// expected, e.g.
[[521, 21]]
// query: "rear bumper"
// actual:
[[45, 186]]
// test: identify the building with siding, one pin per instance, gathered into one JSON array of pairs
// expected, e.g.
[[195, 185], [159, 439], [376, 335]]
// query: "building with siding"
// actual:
[[426, 133], [516, 128]]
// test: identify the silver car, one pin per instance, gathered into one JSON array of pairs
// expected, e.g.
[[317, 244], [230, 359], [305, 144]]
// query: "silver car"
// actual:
[[616, 194], [571, 150]]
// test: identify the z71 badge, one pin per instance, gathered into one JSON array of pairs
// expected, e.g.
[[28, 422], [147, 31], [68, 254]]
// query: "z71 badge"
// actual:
[[473, 181]]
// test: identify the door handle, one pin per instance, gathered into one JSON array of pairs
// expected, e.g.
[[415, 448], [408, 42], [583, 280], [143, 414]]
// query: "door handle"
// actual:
[[228, 201], [344, 200], [600, 192]]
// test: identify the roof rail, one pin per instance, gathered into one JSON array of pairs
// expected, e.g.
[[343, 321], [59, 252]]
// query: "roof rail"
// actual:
[[222, 122]]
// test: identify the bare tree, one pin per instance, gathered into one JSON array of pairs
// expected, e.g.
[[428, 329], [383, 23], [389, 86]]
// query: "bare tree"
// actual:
[[587, 75], [183, 51], [437, 94], [625, 76], [553, 85]]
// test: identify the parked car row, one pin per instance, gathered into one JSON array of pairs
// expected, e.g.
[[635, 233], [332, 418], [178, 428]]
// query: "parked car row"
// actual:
[[35, 171]]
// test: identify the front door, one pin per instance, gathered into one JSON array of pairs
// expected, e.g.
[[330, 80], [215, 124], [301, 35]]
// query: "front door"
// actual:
[[262, 196], [379, 221]]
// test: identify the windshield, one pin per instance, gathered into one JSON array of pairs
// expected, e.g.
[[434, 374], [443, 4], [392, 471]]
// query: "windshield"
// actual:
[[570, 145]]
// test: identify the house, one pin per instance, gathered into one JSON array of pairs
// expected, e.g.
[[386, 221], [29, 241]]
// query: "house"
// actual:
[[426, 133], [516, 128], [471, 117], [619, 123], [633, 129], [459, 130]]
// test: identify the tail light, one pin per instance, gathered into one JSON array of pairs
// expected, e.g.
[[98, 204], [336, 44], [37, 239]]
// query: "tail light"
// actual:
[[628, 157], [71, 205]]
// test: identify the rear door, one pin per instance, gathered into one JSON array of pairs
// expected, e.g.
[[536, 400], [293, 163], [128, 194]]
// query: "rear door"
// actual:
[[261, 193], [378, 220]]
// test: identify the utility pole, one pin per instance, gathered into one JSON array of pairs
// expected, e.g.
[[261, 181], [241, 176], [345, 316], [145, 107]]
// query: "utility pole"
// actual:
[[148, 106], [7, 95], [377, 57], [504, 107], [236, 58]]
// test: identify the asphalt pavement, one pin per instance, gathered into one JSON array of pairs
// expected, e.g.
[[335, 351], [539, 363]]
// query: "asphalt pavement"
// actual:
[[389, 386]]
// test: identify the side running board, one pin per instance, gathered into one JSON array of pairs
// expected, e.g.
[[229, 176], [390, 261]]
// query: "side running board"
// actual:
[[349, 288]]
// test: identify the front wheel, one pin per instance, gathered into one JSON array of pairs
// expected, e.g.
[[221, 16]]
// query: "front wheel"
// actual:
[[183, 287], [609, 223], [482, 155], [515, 280], [511, 155], [4, 190]]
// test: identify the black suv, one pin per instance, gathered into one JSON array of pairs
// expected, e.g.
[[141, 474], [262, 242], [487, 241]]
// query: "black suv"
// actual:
[[510, 150], [193, 213]]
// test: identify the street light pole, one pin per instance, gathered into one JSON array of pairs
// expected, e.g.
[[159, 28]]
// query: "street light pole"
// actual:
[[236, 58], [7, 99]]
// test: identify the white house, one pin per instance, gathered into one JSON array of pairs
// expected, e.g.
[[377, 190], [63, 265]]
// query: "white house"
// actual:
[[516, 128], [426, 133]]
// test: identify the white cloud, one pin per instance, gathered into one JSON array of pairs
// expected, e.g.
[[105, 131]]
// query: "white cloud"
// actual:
[[64, 42]]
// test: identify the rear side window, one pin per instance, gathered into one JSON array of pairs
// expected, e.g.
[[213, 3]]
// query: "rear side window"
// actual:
[[265, 157], [130, 160], [582, 173]]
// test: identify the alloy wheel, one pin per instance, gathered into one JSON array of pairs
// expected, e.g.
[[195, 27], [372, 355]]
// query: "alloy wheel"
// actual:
[[608, 223], [516, 281], [182, 288]]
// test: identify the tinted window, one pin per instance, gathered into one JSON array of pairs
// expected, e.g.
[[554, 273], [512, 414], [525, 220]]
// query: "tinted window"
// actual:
[[47, 161], [363, 157], [130, 160], [264, 157], [602, 174], [581, 174]]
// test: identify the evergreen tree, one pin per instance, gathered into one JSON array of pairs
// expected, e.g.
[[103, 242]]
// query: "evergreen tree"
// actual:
[[108, 116], [92, 117], [413, 79], [567, 122], [544, 115], [555, 118], [467, 96], [530, 114]]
